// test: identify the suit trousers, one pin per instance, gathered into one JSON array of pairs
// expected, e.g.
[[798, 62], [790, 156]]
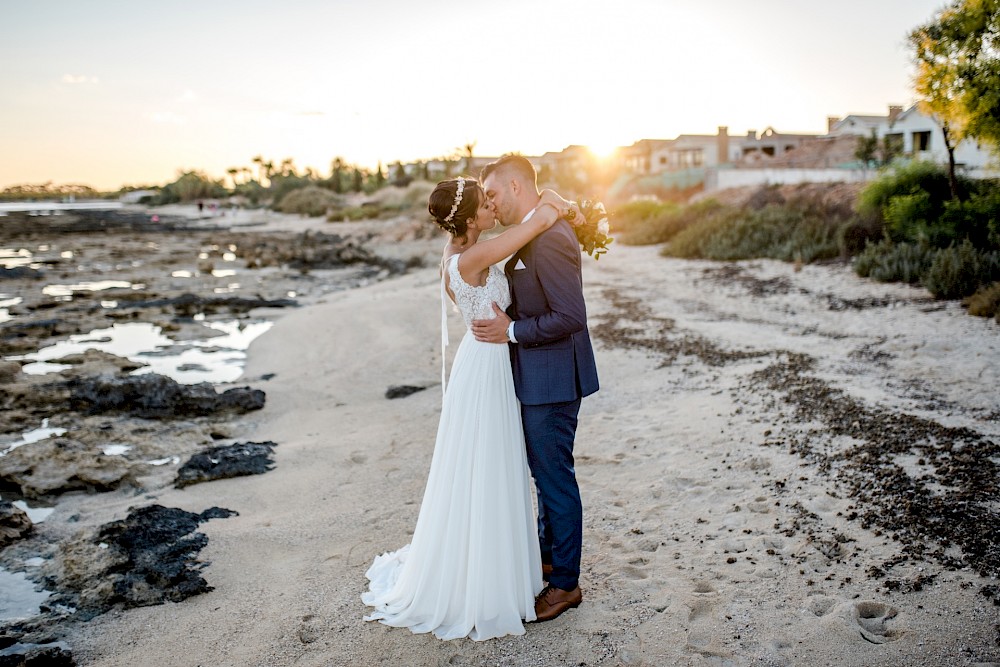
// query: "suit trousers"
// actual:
[[549, 432]]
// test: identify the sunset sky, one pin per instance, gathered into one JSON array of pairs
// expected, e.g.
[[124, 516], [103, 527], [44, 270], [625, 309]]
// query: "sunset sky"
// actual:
[[110, 93]]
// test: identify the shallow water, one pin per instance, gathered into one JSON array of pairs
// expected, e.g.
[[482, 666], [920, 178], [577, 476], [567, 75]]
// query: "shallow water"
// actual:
[[11, 258], [97, 286], [18, 597], [34, 435], [36, 514], [6, 301], [217, 359]]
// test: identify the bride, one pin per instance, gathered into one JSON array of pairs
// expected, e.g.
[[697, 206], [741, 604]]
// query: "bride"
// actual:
[[473, 566]]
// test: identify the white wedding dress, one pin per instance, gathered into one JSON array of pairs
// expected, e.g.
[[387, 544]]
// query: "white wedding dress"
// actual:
[[473, 567]]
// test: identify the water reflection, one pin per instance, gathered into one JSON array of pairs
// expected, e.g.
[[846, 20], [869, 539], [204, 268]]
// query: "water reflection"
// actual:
[[100, 285], [10, 258], [36, 514], [28, 437], [6, 302], [18, 598], [217, 359]]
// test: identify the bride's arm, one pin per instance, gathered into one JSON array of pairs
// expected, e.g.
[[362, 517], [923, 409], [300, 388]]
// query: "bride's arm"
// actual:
[[486, 253]]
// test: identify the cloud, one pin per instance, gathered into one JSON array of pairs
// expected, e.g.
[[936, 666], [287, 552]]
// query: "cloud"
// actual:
[[73, 79], [188, 96]]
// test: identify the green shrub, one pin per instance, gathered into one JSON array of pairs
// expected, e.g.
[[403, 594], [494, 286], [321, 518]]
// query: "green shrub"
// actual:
[[894, 262], [413, 197], [664, 222], [856, 233], [311, 200], [366, 211], [977, 218], [776, 232], [282, 186], [959, 271], [916, 205], [985, 302], [630, 215], [907, 179], [190, 186]]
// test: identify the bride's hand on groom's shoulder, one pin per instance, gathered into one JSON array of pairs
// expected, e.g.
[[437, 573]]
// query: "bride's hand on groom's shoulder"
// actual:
[[568, 210]]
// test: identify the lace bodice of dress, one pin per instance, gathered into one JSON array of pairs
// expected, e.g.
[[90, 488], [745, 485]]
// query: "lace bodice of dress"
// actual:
[[475, 303]]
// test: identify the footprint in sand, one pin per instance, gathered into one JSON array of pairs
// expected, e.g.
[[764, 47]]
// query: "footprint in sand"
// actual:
[[873, 619], [703, 635], [358, 457], [704, 587], [635, 569], [309, 629], [821, 605]]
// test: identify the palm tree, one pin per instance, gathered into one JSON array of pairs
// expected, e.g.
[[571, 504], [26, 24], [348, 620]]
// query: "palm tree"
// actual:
[[232, 171], [467, 152], [259, 161]]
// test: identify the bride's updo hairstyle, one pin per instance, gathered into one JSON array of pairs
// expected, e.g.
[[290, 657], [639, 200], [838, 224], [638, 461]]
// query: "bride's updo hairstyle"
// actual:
[[454, 202]]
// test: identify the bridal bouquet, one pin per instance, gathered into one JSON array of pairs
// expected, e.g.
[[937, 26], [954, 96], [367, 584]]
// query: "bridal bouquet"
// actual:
[[592, 232]]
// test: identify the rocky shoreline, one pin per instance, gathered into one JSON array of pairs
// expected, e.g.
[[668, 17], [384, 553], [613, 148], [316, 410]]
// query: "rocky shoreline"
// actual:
[[84, 422], [784, 466]]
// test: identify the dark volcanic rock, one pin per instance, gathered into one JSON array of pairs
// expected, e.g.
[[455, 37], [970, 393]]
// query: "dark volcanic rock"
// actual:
[[14, 523], [243, 458], [148, 558], [402, 390], [188, 305], [154, 396], [20, 272], [37, 655]]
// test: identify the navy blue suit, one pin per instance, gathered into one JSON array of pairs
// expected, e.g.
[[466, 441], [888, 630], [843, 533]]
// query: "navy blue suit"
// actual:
[[553, 366]]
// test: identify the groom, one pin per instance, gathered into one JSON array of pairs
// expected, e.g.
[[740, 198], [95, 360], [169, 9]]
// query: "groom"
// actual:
[[553, 366]]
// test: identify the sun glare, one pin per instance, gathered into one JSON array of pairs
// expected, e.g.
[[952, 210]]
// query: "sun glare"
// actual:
[[603, 150]]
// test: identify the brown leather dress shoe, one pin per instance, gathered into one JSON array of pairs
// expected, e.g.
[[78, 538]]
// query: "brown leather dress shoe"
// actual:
[[553, 601]]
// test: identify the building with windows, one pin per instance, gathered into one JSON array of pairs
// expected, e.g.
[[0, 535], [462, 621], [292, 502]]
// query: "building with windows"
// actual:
[[915, 134]]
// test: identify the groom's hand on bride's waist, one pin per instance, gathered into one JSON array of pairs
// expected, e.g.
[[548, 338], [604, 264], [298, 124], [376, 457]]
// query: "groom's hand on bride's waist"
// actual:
[[494, 330]]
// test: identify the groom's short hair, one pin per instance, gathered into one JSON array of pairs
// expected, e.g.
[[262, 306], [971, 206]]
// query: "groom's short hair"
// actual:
[[516, 163]]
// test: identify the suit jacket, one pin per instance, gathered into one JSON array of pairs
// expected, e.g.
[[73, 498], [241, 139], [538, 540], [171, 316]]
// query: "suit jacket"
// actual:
[[553, 359]]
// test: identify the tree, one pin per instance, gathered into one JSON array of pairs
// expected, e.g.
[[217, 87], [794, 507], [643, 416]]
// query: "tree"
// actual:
[[259, 161], [359, 180], [866, 149], [467, 151], [957, 55], [336, 172]]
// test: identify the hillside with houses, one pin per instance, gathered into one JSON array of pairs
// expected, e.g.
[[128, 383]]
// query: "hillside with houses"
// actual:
[[722, 160]]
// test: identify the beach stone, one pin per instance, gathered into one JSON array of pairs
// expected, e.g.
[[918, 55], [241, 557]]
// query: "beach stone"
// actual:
[[37, 655], [402, 390], [14, 523], [155, 396], [96, 361], [18, 272], [9, 370], [147, 558], [238, 460], [59, 465]]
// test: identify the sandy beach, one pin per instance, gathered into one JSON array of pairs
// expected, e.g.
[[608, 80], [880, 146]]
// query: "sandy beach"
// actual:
[[762, 474]]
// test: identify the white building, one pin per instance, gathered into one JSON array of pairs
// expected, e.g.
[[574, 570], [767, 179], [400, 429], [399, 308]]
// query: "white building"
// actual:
[[916, 134]]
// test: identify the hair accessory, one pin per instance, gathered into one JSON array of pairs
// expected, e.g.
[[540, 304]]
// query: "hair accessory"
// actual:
[[458, 200]]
